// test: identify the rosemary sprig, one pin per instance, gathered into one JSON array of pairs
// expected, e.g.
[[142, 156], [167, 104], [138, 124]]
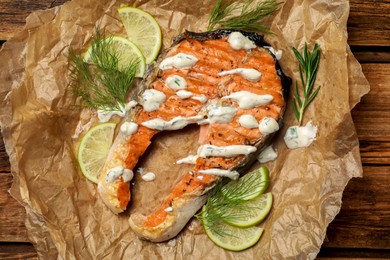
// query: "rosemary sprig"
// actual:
[[308, 66], [250, 17], [101, 83]]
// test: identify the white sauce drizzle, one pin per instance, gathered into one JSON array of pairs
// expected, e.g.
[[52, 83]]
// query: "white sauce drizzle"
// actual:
[[238, 41], [267, 155], [278, 54], [116, 172], [149, 176], [248, 121], [199, 177], [247, 100], [300, 136], [249, 74], [104, 115], [201, 98], [176, 123], [152, 99], [128, 128], [168, 209], [225, 151], [180, 61], [221, 114], [127, 175], [176, 82], [190, 159], [130, 105], [268, 125], [184, 94], [219, 172]]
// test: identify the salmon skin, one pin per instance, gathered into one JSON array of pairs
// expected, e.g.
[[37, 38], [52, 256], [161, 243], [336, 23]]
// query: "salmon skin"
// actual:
[[231, 84]]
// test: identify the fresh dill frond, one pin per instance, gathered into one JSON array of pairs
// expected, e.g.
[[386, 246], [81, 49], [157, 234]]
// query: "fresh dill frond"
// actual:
[[308, 67], [250, 17], [232, 201], [99, 80], [245, 187]]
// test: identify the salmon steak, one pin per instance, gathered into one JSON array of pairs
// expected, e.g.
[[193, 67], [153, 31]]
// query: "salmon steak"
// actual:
[[228, 82]]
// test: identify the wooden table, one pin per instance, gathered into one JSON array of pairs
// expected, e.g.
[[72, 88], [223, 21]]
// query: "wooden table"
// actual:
[[362, 229]]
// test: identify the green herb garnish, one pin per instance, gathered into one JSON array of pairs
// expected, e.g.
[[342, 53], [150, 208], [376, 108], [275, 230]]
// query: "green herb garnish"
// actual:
[[233, 201], [249, 15], [308, 65], [99, 81]]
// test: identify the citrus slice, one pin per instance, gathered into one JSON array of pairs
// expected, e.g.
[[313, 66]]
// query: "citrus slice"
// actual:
[[94, 148], [249, 213], [143, 30], [127, 52], [247, 187], [230, 237]]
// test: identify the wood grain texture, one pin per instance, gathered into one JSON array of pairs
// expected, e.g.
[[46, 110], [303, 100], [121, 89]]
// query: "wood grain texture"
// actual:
[[13, 14], [372, 115], [12, 214], [13, 251], [364, 220], [369, 23]]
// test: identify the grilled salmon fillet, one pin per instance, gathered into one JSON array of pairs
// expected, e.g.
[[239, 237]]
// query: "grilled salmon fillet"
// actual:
[[225, 81]]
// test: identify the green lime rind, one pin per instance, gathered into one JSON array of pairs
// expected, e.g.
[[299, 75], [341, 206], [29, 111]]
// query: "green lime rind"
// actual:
[[247, 187], [124, 49], [249, 213], [94, 148], [143, 30], [230, 237]]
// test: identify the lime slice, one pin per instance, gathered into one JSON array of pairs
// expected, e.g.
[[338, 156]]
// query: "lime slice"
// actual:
[[143, 30], [127, 51], [230, 237], [249, 213], [94, 148], [247, 187]]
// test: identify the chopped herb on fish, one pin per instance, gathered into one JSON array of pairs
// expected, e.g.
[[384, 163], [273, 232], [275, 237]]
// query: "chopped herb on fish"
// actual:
[[308, 66], [246, 15]]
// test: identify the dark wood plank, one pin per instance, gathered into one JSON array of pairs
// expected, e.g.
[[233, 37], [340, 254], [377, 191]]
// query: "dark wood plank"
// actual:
[[340, 253], [369, 23], [373, 54], [4, 162], [364, 219], [14, 251], [372, 115], [13, 14], [12, 214]]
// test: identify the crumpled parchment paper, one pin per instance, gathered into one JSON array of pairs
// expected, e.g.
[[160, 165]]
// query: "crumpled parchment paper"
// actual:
[[65, 217]]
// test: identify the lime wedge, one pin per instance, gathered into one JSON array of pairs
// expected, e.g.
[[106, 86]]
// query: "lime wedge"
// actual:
[[230, 237], [247, 187], [143, 30], [249, 213], [127, 51], [94, 148]]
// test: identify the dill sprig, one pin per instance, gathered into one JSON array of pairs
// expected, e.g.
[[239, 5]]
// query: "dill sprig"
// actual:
[[250, 17], [231, 195], [308, 66], [100, 82]]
